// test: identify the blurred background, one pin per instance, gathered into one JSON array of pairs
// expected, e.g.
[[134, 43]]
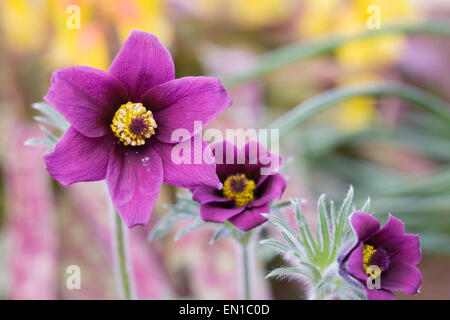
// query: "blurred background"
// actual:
[[398, 156]]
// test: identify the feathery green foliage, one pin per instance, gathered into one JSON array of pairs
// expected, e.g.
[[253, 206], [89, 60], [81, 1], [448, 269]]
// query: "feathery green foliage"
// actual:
[[314, 257]]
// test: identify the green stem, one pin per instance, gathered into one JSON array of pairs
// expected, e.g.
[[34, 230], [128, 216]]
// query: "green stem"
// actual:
[[302, 50], [122, 257], [244, 240], [245, 267], [330, 98]]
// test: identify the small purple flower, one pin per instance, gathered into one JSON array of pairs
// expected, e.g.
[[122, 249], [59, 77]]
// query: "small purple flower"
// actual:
[[246, 192], [395, 253], [122, 121]]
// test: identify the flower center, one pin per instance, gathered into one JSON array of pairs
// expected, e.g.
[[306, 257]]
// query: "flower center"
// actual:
[[133, 123], [239, 188], [377, 257]]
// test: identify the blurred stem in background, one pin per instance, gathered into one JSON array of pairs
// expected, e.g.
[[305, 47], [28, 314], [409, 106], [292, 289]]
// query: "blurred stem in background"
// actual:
[[302, 50]]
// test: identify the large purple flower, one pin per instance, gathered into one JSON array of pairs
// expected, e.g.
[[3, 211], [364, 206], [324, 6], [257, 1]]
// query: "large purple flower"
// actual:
[[122, 121], [395, 253], [247, 189]]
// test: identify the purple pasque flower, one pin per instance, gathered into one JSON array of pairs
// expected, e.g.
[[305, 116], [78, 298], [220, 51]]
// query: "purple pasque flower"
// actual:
[[247, 189], [122, 121], [395, 253]]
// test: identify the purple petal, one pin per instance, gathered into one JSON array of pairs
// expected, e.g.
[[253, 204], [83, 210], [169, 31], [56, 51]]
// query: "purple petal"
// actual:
[[400, 247], [354, 263], [402, 276], [141, 64], [345, 250], [267, 163], [190, 171], [78, 158], [379, 294], [364, 225], [178, 103], [231, 160], [407, 249], [391, 231], [134, 176], [272, 188], [219, 212], [226, 155], [205, 194], [250, 218], [350, 279], [86, 97]]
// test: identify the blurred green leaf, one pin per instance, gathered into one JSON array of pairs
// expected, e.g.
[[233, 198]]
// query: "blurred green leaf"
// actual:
[[305, 110], [52, 117], [302, 50]]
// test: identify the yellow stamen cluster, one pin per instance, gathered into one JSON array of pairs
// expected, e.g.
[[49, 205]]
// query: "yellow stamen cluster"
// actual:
[[129, 117], [368, 252], [240, 197]]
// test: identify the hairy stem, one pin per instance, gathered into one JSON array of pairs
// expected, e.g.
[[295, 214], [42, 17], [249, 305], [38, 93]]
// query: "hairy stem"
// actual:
[[245, 268], [122, 264]]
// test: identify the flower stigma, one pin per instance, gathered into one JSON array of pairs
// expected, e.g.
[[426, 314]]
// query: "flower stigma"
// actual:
[[239, 188], [133, 124]]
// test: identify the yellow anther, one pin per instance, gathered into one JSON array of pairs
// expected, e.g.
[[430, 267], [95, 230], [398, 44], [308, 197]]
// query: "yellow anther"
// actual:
[[368, 252], [133, 124], [239, 188]]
